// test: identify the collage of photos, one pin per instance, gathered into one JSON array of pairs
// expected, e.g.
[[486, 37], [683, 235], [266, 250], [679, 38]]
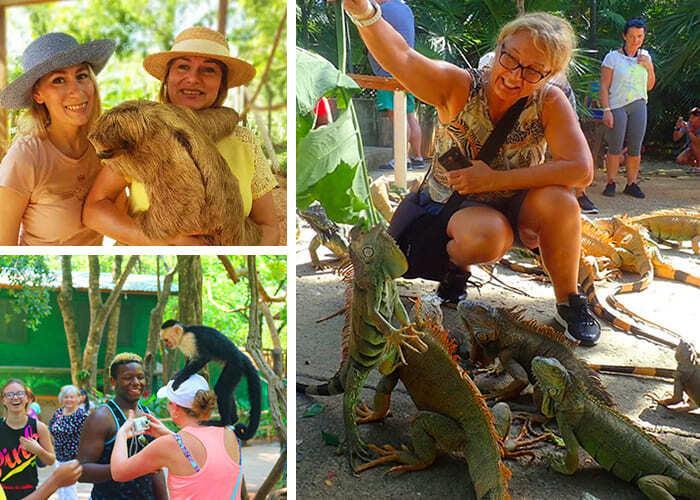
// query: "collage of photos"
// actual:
[[481, 286]]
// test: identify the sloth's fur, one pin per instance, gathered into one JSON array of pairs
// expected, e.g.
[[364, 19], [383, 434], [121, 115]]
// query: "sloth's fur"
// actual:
[[172, 151]]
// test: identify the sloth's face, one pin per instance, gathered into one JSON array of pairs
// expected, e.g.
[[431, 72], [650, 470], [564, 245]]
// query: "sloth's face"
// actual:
[[194, 82], [121, 129]]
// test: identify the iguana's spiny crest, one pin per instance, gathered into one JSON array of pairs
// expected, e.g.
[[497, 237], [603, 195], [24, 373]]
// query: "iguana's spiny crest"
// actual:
[[375, 255]]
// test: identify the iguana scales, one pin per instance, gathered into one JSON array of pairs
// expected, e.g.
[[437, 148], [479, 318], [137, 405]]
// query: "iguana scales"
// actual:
[[327, 234], [613, 440]]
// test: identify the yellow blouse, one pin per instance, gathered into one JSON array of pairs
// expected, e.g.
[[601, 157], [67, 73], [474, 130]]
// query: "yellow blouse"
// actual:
[[244, 157]]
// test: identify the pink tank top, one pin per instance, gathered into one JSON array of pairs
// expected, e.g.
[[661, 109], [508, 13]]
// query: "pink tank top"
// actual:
[[216, 478]]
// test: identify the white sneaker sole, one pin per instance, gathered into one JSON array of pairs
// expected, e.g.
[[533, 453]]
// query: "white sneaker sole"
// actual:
[[562, 322]]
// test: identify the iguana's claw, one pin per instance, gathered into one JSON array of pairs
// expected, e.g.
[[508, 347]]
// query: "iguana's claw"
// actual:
[[654, 398], [366, 415], [387, 453]]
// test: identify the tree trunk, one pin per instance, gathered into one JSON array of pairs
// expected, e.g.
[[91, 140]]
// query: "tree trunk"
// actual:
[[99, 313], [277, 392], [155, 322], [112, 330], [277, 365], [65, 304], [273, 477]]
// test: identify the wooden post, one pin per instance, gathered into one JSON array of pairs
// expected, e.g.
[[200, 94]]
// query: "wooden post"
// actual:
[[223, 10], [400, 138]]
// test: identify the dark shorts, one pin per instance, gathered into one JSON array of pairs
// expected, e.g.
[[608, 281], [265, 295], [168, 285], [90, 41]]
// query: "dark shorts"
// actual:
[[425, 241]]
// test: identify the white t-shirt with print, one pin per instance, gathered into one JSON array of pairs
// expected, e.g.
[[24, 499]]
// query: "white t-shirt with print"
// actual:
[[629, 79]]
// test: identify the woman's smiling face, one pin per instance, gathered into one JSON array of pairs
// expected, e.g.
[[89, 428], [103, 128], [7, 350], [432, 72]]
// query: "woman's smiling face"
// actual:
[[194, 82], [68, 94], [14, 397], [517, 51]]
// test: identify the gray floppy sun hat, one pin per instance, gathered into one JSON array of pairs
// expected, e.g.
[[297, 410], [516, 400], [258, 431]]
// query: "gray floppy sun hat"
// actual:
[[48, 53]]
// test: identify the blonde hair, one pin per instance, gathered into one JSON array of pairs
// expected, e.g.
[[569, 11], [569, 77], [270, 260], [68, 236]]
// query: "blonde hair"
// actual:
[[202, 405], [36, 119], [123, 358], [221, 95], [550, 34]]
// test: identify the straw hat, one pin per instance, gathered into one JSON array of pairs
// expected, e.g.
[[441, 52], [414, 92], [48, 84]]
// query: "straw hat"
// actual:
[[203, 42], [49, 53]]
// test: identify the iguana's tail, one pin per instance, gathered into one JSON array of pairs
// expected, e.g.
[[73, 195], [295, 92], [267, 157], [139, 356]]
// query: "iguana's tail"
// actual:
[[336, 385], [647, 371]]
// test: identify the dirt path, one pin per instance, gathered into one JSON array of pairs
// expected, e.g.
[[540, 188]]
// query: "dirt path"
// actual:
[[323, 474]]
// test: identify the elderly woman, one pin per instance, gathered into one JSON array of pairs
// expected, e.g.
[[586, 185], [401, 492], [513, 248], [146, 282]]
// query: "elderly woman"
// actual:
[[199, 458], [519, 195], [46, 174], [196, 73], [23, 440], [626, 75], [65, 427]]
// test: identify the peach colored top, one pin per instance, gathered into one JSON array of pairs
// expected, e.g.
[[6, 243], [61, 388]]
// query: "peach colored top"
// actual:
[[55, 186], [216, 478]]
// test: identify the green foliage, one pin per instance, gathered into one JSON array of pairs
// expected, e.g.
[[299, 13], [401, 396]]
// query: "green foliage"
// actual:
[[27, 275], [329, 158]]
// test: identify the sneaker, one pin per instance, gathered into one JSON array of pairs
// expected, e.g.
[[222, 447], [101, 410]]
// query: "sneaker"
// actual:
[[579, 323], [633, 190], [609, 189], [387, 166], [416, 163], [453, 286], [587, 206]]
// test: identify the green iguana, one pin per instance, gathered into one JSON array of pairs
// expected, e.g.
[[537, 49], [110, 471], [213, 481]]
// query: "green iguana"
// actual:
[[327, 234], [672, 225], [452, 417], [505, 334], [686, 379], [612, 439], [369, 338]]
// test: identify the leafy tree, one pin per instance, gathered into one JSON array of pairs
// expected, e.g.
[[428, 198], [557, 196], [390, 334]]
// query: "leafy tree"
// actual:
[[28, 276]]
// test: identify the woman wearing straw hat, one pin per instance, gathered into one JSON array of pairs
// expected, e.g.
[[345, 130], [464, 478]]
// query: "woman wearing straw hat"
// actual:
[[47, 173], [198, 458], [196, 73]]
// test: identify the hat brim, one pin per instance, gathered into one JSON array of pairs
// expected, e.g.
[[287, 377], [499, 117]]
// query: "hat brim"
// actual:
[[96, 53], [239, 71]]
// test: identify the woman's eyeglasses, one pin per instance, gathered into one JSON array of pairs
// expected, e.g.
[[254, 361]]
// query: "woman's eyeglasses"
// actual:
[[527, 73], [18, 394]]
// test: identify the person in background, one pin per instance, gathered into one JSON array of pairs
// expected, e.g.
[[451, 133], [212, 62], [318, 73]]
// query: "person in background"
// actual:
[[196, 73], [34, 408], [626, 75], [47, 172], [198, 458], [84, 400], [400, 16], [65, 426], [689, 130], [23, 441]]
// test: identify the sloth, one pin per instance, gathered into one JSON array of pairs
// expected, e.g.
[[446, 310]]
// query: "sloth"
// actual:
[[172, 151]]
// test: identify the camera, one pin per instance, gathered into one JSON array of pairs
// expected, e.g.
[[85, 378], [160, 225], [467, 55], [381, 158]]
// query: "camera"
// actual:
[[141, 425]]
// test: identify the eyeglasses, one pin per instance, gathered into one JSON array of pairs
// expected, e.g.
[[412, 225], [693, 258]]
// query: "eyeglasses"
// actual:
[[527, 73], [18, 394]]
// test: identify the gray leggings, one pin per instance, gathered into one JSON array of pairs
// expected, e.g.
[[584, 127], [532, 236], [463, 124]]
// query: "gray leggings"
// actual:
[[629, 122]]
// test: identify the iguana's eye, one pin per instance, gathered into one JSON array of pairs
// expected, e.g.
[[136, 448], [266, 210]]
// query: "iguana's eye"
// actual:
[[368, 252]]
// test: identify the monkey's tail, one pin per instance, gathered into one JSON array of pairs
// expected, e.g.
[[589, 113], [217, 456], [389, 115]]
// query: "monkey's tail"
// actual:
[[254, 395]]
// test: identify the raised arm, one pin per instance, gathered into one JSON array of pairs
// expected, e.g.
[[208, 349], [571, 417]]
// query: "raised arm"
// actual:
[[438, 83]]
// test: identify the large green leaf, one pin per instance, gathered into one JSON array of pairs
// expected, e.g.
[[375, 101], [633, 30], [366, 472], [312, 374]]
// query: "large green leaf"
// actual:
[[317, 77]]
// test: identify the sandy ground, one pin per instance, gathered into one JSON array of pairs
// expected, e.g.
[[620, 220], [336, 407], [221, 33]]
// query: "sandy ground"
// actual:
[[258, 460], [323, 474]]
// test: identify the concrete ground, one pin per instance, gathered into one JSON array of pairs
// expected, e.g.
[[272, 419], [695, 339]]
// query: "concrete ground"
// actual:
[[258, 460], [323, 474]]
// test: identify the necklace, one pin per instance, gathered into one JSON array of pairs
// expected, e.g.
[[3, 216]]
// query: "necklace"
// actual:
[[624, 51]]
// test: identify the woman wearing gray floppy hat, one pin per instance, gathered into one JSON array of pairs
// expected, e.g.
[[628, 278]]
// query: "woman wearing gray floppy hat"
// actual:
[[47, 172], [196, 73]]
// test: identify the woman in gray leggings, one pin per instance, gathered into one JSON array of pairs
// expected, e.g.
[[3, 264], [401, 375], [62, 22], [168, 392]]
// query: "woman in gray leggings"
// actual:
[[625, 77]]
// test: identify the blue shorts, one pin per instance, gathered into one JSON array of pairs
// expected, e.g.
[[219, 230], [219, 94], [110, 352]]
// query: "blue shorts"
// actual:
[[385, 101]]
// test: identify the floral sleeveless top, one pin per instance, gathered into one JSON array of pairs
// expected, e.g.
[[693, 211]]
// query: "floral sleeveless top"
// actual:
[[525, 145]]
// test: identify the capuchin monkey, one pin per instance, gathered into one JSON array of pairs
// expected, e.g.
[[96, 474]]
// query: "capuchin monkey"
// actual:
[[201, 344]]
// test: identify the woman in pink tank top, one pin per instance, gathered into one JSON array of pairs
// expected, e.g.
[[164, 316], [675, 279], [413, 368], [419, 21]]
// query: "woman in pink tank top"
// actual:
[[202, 462]]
